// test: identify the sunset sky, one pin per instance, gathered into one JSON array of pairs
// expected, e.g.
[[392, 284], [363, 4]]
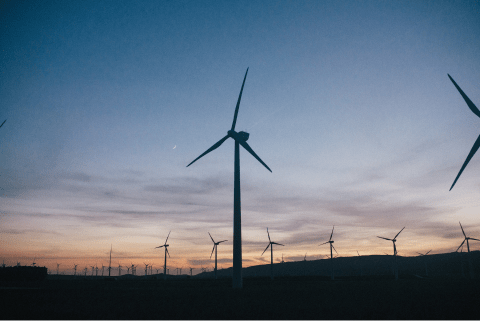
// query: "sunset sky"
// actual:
[[348, 102]]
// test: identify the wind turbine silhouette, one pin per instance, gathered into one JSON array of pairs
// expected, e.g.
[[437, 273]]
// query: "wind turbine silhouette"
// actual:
[[240, 139], [146, 268], [395, 271], [75, 268], [270, 244], [110, 262], [476, 145], [331, 253], [472, 275], [215, 244], [425, 261], [166, 252]]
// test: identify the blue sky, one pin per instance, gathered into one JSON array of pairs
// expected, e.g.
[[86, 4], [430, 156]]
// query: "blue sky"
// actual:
[[348, 102]]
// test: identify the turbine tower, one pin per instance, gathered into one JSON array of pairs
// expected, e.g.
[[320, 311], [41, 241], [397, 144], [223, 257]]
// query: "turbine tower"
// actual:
[[331, 253], [166, 252], [395, 266], [425, 261], [215, 244], [240, 139], [476, 145], [472, 274], [270, 244], [146, 268]]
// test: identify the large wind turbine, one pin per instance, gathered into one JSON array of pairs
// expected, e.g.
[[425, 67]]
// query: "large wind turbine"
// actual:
[[475, 147], [166, 252], [240, 139], [331, 253], [425, 261], [270, 244], [394, 252], [472, 275], [215, 244]]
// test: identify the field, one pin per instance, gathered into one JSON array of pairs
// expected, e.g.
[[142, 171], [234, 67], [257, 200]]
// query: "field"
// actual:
[[298, 297]]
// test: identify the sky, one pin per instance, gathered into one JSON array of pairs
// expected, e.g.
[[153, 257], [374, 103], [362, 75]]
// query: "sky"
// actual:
[[348, 102]]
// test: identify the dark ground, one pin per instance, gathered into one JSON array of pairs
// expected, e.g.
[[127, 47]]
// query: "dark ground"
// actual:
[[284, 298]]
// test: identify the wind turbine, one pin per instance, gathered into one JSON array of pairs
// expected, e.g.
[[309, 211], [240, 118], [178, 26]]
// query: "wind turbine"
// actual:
[[166, 252], [395, 269], [425, 261], [476, 145], [103, 269], [472, 275], [33, 263], [110, 262], [270, 244], [191, 271], [75, 268], [119, 269], [240, 139], [215, 244], [58, 266], [133, 269], [331, 253], [93, 268], [146, 268]]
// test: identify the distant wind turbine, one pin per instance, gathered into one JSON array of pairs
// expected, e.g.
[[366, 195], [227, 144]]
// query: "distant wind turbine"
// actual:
[[166, 252], [395, 268], [110, 262], [240, 139], [146, 268], [75, 268], [119, 269], [476, 145], [270, 244], [330, 241], [215, 244], [472, 274], [425, 261]]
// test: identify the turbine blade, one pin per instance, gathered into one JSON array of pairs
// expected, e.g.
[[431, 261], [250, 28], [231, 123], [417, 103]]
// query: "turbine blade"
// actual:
[[265, 249], [471, 238], [470, 155], [212, 251], [428, 252], [250, 150], [238, 102], [384, 238], [222, 241], [399, 233], [334, 248], [470, 104], [160, 246], [332, 233], [3, 123], [460, 246], [215, 146], [277, 243], [420, 253], [324, 243], [166, 249], [211, 237], [462, 229], [269, 236], [167, 237]]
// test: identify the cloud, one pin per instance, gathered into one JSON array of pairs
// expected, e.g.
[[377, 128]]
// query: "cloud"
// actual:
[[186, 185]]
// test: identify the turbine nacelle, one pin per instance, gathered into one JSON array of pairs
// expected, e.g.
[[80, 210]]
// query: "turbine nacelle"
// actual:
[[240, 136]]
